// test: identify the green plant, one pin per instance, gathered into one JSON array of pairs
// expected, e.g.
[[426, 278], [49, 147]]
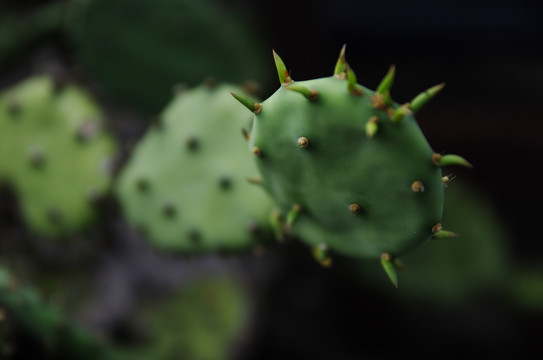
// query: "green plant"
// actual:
[[201, 321], [28, 314], [54, 153], [186, 183], [350, 167]]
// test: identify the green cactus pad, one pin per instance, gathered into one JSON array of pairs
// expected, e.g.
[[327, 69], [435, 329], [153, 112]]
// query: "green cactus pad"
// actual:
[[54, 153], [185, 185], [203, 321], [357, 178]]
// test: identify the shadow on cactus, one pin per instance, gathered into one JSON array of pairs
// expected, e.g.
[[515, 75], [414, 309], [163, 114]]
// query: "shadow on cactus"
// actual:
[[54, 153], [186, 185], [349, 166]]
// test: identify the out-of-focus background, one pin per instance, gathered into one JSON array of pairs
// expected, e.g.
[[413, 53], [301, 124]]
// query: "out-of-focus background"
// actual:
[[124, 60]]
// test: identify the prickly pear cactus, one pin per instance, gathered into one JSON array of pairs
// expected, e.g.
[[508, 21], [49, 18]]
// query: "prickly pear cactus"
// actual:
[[54, 154], [349, 166], [186, 184]]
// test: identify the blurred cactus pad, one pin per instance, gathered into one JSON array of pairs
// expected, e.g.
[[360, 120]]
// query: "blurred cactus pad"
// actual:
[[137, 50], [185, 184], [54, 153], [203, 321]]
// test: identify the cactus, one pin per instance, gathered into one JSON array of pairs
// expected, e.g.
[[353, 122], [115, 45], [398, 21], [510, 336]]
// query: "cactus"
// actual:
[[185, 185], [350, 167], [27, 313], [205, 320], [167, 41], [54, 153]]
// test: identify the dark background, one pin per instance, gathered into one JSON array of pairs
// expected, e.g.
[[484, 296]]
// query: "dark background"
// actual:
[[490, 54]]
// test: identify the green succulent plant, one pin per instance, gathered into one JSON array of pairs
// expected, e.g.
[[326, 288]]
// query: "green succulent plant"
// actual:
[[349, 166]]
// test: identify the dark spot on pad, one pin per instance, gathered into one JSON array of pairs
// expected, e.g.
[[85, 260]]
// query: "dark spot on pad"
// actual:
[[142, 185], [87, 130], [193, 144], [54, 216], [36, 157], [195, 237], [13, 107], [225, 183], [168, 210]]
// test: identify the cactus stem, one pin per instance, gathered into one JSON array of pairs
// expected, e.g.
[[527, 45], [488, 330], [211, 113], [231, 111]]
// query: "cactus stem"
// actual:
[[449, 159], [310, 94], [352, 85], [322, 255], [339, 71], [248, 103], [386, 83], [421, 99], [293, 214], [417, 186], [256, 151], [355, 208], [371, 126], [400, 112], [303, 142], [246, 134], [284, 77], [387, 263]]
